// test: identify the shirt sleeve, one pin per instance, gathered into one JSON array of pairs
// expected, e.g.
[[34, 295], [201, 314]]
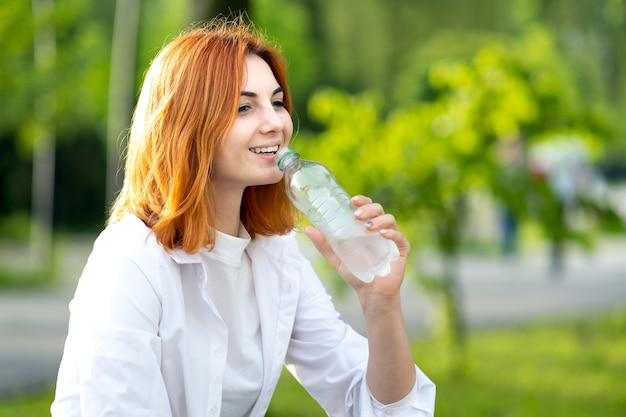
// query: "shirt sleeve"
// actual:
[[419, 402], [111, 362]]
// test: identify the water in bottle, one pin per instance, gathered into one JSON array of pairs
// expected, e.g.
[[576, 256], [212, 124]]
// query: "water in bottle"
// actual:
[[313, 190]]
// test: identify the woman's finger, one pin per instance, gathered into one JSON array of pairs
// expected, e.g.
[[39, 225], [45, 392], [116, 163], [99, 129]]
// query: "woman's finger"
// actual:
[[359, 200], [386, 221]]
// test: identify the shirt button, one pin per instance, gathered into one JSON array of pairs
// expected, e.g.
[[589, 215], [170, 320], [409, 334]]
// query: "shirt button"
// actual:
[[213, 411], [219, 352]]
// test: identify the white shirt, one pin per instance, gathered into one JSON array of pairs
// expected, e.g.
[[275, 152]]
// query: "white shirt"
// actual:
[[146, 339], [231, 288]]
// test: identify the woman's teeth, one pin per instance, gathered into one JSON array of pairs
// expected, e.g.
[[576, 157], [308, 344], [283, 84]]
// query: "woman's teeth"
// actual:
[[271, 149]]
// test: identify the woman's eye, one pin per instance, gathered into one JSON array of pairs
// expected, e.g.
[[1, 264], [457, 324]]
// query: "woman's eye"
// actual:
[[278, 103], [243, 108]]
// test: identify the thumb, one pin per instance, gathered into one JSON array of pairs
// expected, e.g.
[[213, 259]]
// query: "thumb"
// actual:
[[322, 245], [316, 237]]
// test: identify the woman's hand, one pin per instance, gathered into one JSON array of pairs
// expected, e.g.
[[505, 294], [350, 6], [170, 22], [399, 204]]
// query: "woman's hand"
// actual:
[[377, 221]]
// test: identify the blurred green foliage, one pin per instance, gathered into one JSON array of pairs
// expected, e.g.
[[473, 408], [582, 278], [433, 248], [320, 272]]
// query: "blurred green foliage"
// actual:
[[416, 103], [473, 126], [427, 154], [352, 46], [406, 101]]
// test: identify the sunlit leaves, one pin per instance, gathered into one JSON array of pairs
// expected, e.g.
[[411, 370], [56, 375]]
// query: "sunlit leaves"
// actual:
[[354, 132], [436, 151]]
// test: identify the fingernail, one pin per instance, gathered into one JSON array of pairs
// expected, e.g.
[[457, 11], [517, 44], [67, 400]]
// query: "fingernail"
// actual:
[[358, 212]]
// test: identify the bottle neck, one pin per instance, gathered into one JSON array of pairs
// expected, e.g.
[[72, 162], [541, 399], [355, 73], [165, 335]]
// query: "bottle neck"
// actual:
[[289, 161]]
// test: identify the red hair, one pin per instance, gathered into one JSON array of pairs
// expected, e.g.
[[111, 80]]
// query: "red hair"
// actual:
[[187, 104]]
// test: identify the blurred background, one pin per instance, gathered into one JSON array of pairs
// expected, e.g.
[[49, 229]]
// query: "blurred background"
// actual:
[[493, 130]]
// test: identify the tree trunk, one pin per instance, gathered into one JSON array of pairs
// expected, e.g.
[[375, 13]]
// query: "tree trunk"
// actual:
[[44, 142], [454, 317], [121, 88], [453, 299], [450, 231]]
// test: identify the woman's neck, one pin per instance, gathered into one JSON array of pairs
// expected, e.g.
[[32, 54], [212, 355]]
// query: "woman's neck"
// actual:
[[227, 211]]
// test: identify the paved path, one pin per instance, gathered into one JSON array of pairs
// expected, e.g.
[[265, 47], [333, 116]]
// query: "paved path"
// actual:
[[498, 292], [33, 324]]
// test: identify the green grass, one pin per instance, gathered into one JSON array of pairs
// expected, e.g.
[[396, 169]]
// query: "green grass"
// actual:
[[574, 369], [27, 405]]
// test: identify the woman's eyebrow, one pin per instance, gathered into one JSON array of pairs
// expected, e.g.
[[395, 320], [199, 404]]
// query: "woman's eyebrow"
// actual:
[[254, 95]]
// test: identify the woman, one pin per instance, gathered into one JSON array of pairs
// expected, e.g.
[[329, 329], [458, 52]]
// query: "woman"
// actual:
[[196, 294]]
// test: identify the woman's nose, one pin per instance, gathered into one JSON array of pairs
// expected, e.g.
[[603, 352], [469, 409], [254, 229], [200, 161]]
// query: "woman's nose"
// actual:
[[272, 121]]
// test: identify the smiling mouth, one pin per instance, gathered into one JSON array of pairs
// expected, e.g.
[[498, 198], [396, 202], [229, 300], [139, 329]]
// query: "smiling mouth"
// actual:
[[271, 150]]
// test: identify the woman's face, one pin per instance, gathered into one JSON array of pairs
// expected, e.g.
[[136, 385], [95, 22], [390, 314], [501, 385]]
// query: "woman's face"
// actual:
[[261, 127]]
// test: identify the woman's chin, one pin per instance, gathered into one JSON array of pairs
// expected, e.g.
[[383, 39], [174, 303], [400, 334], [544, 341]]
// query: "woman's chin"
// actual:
[[270, 179]]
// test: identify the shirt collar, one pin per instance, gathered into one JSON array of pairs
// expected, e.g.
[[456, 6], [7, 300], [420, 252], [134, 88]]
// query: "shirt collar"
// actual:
[[226, 246]]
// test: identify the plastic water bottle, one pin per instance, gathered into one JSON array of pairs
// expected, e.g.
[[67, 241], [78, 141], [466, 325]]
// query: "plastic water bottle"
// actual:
[[313, 190]]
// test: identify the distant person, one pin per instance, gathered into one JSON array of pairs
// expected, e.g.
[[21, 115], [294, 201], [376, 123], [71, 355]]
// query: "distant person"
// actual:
[[510, 175], [564, 162], [196, 293], [509, 225]]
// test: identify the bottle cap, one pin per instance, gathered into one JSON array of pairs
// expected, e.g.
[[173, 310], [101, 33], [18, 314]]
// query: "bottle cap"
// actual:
[[284, 153]]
